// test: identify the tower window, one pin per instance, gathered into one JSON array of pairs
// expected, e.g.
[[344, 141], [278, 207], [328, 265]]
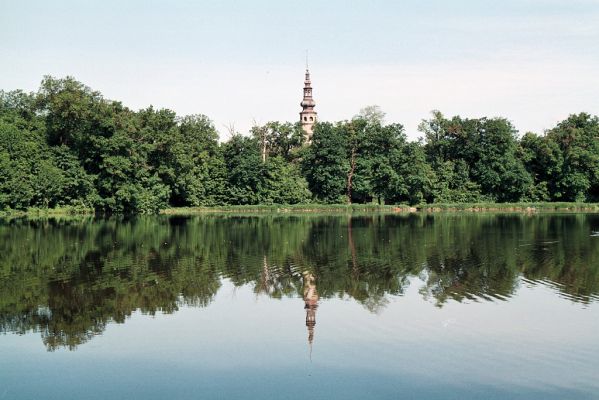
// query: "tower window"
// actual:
[[311, 119], [305, 118]]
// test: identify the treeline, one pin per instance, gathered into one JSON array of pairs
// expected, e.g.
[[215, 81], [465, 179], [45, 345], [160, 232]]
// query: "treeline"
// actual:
[[66, 145]]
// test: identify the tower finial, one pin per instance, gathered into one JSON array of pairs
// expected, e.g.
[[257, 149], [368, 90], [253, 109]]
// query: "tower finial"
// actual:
[[306, 59]]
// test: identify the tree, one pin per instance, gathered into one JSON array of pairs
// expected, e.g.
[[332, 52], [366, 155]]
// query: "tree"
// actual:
[[71, 110], [489, 149], [190, 162], [66, 145], [279, 139], [372, 114], [283, 183], [245, 168], [578, 140], [451, 184], [543, 160], [385, 148], [325, 163]]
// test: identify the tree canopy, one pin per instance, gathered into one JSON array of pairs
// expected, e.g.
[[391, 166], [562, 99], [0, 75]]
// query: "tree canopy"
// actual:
[[66, 145]]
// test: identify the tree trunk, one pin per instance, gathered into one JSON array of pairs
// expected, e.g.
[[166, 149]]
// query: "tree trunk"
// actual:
[[350, 174], [263, 145]]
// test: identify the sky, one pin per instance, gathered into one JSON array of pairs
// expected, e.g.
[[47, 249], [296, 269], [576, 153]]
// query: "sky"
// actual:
[[242, 62]]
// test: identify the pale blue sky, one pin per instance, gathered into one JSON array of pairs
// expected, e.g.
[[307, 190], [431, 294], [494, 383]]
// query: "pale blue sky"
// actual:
[[532, 61]]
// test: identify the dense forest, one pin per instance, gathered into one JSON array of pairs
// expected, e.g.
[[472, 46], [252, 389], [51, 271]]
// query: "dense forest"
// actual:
[[67, 145]]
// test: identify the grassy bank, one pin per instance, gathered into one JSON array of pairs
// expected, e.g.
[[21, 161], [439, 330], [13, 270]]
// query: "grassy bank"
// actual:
[[274, 208], [511, 207], [328, 208], [46, 212], [465, 207]]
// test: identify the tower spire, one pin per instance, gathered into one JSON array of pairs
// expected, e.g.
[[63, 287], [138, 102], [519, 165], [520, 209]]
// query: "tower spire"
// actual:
[[306, 59], [308, 115]]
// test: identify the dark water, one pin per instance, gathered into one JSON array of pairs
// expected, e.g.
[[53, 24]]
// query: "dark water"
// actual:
[[295, 307]]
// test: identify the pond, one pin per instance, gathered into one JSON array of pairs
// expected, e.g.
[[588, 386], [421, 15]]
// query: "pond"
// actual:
[[418, 306]]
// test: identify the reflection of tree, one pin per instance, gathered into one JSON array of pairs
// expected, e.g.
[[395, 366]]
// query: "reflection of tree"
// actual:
[[349, 260], [467, 279], [276, 281], [68, 278]]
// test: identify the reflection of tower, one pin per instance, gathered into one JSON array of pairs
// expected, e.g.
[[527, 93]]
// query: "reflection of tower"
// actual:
[[308, 115], [265, 283], [311, 304]]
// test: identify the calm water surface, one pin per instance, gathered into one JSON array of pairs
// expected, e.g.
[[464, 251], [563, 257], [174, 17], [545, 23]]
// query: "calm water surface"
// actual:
[[301, 307]]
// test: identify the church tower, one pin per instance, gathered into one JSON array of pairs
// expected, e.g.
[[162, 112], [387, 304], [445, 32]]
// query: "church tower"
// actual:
[[308, 115]]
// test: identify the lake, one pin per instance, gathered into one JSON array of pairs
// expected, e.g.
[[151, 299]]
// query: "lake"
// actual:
[[418, 306]]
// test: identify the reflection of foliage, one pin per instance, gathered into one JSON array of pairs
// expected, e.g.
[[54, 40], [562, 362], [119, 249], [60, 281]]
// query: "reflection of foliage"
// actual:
[[68, 278]]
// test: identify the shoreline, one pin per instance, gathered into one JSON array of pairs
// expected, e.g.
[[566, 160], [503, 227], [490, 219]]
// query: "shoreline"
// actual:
[[327, 208], [426, 208]]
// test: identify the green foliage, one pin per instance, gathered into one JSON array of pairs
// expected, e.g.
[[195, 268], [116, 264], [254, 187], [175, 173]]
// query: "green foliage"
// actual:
[[484, 153], [245, 170], [543, 160], [365, 160], [452, 184], [578, 140], [192, 164], [252, 181], [283, 183], [565, 161], [68, 146], [279, 139], [71, 110], [325, 163]]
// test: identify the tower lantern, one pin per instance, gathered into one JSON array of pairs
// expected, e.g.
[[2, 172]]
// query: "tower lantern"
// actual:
[[308, 115]]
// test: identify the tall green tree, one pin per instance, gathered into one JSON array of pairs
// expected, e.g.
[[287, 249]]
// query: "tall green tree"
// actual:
[[245, 170], [191, 163], [488, 147], [578, 139], [543, 159], [283, 183], [325, 163], [282, 139]]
